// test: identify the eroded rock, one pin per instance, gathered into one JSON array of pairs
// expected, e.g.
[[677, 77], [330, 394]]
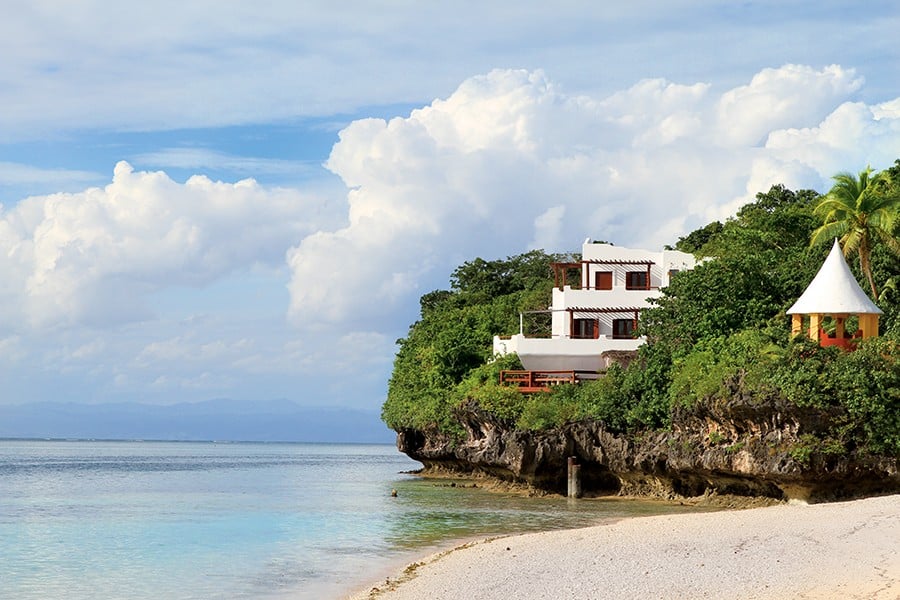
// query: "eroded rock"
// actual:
[[742, 447]]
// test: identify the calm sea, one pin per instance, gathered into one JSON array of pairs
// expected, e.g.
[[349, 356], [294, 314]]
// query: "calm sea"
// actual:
[[179, 520]]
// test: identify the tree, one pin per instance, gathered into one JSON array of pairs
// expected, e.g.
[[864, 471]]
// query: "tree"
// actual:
[[694, 241], [762, 263], [454, 335], [860, 210], [481, 280]]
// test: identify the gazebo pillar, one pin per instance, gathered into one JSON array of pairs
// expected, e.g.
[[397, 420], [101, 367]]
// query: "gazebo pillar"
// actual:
[[815, 325], [839, 326], [796, 325], [869, 325]]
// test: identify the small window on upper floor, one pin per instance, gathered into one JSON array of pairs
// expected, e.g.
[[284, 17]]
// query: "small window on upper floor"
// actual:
[[636, 280], [603, 280], [623, 329], [585, 329]]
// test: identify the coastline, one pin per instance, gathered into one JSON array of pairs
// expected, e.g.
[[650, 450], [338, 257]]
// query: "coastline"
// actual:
[[835, 550], [493, 484]]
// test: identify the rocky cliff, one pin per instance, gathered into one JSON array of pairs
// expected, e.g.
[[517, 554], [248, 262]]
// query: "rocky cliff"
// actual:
[[739, 447]]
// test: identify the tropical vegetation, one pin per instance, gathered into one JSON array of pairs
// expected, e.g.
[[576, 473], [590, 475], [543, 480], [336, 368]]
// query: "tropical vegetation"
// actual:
[[718, 332], [860, 210]]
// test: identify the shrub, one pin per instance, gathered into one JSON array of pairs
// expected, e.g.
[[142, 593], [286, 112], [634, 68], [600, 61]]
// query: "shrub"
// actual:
[[482, 385], [866, 383]]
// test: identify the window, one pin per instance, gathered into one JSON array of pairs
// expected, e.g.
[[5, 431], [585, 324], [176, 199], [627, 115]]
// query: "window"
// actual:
[[672, 273], [585, 329], [636, 280], [623, 329], [603, 280]]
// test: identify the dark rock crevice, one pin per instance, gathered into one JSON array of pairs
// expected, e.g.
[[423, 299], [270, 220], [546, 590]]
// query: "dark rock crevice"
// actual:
[[744, 447]]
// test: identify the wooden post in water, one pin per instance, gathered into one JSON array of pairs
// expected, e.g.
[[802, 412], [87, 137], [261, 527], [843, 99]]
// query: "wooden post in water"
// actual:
[[574, 479]]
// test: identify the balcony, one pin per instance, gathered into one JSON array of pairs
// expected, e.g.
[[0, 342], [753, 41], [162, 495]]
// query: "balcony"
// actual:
[[529, 382]]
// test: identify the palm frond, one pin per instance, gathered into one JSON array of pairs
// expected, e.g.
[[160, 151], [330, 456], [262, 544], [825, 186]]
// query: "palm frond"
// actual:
[[888, 240], [852, 240], [832, 206], [829, 231], [890, 288]]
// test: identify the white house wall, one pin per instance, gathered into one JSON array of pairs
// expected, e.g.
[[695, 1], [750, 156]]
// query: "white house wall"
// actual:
[[589, 297], [616, 297], [560, 351], [664, 260], [544, 354]]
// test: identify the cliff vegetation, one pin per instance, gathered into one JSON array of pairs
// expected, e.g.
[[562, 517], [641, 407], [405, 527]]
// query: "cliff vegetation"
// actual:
[[719, 394]]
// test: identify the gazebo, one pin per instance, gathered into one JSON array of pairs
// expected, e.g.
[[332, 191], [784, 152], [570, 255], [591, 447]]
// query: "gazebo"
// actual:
[[835, 293]]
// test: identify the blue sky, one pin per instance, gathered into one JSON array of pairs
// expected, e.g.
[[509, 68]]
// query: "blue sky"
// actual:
[[246, 200]]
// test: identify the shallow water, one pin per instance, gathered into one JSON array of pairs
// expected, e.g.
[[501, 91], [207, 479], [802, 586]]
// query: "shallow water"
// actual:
[[84, 519]]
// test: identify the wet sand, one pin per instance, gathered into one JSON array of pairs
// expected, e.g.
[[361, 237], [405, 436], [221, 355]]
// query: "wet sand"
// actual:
[[837, 550]]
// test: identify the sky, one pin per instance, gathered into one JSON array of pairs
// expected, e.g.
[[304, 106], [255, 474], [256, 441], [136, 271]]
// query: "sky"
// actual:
[[246, 200]]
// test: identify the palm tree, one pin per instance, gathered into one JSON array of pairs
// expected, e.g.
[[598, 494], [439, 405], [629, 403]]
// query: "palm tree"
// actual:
[[860, 210]]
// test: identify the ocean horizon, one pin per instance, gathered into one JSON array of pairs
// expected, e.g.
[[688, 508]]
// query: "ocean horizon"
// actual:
[[239, 520]]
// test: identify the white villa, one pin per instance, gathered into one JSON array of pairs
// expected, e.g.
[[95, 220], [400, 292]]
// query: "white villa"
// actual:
[[593, 323]]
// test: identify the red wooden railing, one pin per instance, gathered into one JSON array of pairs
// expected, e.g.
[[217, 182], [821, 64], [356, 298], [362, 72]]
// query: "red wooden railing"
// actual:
[[536, 381], [845, 343]]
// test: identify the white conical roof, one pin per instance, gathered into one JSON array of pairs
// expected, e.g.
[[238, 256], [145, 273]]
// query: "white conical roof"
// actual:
[[834, 290]]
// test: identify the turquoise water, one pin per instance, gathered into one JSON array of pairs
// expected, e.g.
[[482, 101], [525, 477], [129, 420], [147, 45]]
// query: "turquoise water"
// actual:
[[142, 520]]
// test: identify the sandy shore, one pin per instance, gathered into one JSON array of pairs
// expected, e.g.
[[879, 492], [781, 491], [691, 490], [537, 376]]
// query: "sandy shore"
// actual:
[[840, 550]]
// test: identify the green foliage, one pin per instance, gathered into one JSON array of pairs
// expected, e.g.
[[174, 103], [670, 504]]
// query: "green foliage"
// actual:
[[862, 211], [803, 451], [801, 375], [454, 336], [779, 221], [696, 240], [723, 326], [810, 444], [644, 388], [867, 385], [716, 438], [762, 264], [623, 399], [861, 389], [545, 410], [746, 357], [734, 448], [483, 386], [603, 399], [885, 265], [482, 281], [598, 399]]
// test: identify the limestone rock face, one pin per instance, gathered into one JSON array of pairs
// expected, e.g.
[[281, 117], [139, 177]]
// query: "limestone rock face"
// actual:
[[742, 447]]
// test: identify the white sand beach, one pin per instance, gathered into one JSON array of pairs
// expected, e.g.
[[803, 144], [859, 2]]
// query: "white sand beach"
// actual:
[[838, 550]]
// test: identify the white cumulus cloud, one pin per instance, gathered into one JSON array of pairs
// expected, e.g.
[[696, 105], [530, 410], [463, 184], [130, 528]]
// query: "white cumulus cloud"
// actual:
[[94, 256], [791, 96], [148, 287], [510, 161]]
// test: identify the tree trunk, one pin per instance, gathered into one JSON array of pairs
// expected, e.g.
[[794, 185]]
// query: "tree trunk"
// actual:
[[866, 267]]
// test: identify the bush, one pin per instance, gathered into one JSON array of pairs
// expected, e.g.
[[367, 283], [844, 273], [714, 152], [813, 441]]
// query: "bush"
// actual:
[[552, 409], [866, 383], [454, 337], [599, 399], [483, 386], [801, 375]]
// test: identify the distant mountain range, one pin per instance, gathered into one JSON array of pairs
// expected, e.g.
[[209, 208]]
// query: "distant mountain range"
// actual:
[[222, 419]]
